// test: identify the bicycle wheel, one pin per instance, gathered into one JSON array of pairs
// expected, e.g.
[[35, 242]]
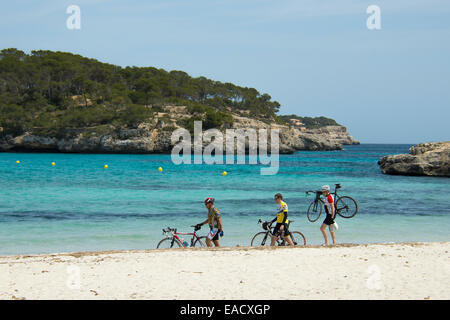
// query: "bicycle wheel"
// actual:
[[168, 243], [298, 238], [346, 207], [261, 239], [200, 242], [314, 211]]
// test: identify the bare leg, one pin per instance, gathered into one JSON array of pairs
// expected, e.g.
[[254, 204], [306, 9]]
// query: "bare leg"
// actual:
[[289, 240], [333, 236], [323, 228], [273, 240], [216, 243], [208, 242]]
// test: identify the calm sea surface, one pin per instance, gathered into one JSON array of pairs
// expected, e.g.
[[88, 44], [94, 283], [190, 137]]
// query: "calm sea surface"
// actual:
[[77, 205]]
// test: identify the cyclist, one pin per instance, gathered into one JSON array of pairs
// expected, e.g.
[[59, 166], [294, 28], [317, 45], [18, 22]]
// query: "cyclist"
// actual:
[[331, 214], [281, 228], [215, 223]]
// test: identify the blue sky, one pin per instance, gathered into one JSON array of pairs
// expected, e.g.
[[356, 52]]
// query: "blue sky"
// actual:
[[316, 57]]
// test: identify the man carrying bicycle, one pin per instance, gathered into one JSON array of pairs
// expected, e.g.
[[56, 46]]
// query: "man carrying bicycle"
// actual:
[[215, 223], [281, 228], [331, 214]]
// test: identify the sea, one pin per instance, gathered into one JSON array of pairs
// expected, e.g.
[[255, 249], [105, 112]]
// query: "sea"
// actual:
[[78, 205]]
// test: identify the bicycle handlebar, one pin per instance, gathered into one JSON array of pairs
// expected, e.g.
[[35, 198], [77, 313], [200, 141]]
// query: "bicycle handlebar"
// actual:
[[169, 230], [174, 230], [336, 185], [269, 224], [312, 191]]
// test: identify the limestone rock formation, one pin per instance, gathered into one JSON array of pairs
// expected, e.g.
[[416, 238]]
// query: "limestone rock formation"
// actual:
[[154, 136], [425, 159]]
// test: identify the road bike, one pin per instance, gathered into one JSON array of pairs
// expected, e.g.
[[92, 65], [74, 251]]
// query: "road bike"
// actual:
[[345, 206], [175, 239], [264, 238]]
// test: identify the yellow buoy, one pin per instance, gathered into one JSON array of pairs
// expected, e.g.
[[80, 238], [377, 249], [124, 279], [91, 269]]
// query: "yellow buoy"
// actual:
[[224, 173], [17, 161], [53, 163], [106, 166], [160, 169]]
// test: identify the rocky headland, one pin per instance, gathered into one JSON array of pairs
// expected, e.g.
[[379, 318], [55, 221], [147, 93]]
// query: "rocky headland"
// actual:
[[425, 159], [154, 136]]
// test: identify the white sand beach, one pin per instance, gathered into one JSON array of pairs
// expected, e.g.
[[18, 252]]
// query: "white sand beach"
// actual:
[[375, 271]]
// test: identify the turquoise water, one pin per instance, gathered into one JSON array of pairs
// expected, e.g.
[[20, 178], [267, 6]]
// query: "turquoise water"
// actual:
[[77, 205]]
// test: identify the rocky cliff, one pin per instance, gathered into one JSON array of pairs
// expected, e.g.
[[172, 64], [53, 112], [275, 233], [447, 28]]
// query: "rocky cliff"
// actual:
[[337, 134], [426, 159], [154, 136]]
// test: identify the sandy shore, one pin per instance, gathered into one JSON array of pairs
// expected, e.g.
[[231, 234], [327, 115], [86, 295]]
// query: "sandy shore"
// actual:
[[376, 271]]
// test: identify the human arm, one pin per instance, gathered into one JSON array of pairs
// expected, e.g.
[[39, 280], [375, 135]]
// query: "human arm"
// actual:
[[284, 221], [333, 211], [330, 201], [202, 223], [284, 211], [220, 224]]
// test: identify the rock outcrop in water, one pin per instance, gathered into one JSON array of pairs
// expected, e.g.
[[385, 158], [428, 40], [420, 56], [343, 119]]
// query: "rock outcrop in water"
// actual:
[[154, 136], [426, 159]]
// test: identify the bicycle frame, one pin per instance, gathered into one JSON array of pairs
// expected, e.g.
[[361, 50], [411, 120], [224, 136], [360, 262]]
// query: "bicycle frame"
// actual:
[[345, 206], [175, 236], [336, 187], [270, 233], [319, 193]]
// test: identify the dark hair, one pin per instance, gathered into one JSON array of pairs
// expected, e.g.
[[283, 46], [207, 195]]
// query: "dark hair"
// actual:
[[279, 195]]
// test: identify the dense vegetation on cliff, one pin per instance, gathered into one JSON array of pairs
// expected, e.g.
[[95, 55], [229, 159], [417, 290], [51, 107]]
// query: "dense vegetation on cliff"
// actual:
[[311, 123], [52, 93], [49, 91]]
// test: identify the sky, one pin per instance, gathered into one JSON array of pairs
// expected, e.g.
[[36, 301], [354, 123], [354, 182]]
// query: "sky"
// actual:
[[315, 57]]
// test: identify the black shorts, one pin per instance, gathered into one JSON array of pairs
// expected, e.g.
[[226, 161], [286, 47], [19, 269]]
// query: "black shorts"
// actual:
[[328, 220], [276, 230], [216, 237]]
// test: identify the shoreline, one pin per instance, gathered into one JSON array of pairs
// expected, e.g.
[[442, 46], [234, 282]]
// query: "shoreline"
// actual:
[[165, 152], [412, 270], [223, 248]]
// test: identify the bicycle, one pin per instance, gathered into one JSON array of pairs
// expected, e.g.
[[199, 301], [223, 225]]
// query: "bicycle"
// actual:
[[264, 238], [172, 239], [345, 206]]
